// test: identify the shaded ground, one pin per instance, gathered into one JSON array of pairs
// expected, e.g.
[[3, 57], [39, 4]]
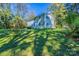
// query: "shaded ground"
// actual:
[[37, 42]]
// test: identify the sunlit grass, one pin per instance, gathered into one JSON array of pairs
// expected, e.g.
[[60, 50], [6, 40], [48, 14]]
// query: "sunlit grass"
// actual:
[[36, 42]]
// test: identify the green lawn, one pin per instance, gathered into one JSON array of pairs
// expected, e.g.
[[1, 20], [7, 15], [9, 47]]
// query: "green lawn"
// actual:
[[37, 42]]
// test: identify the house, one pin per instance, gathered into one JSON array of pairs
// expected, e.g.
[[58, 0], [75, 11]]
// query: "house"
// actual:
[[43, 21]]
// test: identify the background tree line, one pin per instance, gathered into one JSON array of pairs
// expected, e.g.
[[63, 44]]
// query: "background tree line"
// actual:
[[16, 17], [67, 16]]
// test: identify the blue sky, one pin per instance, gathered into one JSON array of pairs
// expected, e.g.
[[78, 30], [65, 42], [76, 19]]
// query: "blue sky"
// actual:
[[37, 8]]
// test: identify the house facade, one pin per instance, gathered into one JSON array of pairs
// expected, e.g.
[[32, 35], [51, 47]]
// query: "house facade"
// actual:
[[43, 21]]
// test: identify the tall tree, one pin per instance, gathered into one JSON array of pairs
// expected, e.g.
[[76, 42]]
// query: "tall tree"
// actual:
[[21, 9], [59, 11], [5, 15]]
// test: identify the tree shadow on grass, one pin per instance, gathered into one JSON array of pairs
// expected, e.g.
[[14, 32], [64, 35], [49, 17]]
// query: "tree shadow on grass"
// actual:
[[3, 34], [67, 49], [41, 37], [39, 43], [14, 42], [64, 48]]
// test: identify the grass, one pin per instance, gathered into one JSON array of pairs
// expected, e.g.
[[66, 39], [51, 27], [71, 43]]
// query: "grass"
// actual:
[[37, 42]]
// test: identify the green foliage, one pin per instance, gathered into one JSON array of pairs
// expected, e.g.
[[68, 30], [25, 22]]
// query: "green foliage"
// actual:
[[14, 20], [20, 41], [76, 22], [19, 23], [37, 42], [8, 21], [5, 17], [59, 12], [67, 16]]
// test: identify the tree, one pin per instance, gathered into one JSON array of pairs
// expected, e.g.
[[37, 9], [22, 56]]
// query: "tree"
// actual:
[[5, 15], [30, 16], [59, 11], [73, 18], [21, 9], [67, 14], [18, 23]]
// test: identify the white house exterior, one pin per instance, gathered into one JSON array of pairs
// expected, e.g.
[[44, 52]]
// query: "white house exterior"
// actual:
[[43, 21]]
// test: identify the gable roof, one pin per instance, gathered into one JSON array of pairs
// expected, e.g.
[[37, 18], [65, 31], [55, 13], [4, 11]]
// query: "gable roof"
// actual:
[[43, 21]]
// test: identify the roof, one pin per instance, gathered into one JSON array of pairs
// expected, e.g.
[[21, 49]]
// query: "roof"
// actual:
[[43, 21]]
